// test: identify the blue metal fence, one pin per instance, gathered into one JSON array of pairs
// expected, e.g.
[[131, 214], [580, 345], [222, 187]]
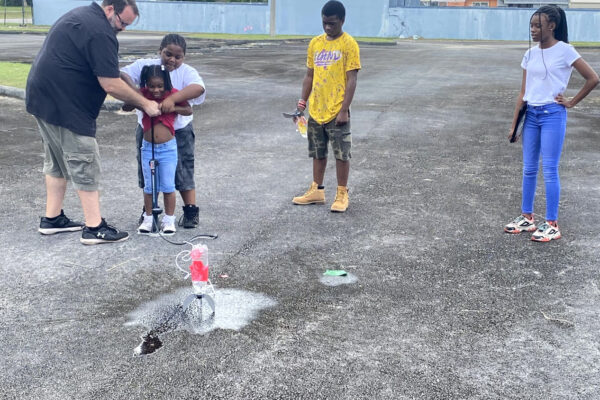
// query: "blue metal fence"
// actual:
[[372, 18]]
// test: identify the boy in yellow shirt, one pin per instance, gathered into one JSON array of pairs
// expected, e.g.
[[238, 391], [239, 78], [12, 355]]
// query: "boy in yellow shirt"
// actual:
[[333, 62]]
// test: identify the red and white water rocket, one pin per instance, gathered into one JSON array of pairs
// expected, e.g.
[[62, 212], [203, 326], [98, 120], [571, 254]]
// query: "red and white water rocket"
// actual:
[[203, 288], [199, 269]]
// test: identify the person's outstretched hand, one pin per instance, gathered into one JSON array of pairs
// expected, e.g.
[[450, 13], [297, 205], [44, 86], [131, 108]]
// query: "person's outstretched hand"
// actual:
[[151, 108], [167, 105]]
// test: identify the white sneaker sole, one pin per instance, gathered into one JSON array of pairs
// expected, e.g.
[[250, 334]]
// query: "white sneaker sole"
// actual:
[[52, 231], [518, 230], [545, 239], [146, 233], [101, 241]]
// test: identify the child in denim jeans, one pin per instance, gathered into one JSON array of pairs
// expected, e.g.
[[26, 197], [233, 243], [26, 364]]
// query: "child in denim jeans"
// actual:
[[191, 88], [546, 72], [159, 143]]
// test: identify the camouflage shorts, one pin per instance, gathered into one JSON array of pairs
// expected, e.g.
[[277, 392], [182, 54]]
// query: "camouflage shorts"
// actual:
[[319, 135]]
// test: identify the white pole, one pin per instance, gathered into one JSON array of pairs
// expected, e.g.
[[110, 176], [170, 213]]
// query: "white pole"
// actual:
[[273, 18]]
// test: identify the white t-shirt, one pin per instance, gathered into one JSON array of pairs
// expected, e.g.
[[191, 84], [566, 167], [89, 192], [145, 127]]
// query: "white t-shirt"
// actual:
[[542, 87], [181, 77]]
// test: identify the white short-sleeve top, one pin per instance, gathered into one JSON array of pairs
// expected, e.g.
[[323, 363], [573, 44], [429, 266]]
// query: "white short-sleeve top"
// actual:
[[548, 72]]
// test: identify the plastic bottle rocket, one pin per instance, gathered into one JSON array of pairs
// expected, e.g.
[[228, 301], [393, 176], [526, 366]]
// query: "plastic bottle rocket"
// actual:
[[199, 268], [299, 119], [301, 125]]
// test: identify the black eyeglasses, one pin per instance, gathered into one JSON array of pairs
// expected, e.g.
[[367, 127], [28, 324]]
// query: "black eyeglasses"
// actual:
[[123, 24]]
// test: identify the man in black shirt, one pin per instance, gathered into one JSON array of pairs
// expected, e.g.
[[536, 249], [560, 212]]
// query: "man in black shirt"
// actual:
[[68, 82]]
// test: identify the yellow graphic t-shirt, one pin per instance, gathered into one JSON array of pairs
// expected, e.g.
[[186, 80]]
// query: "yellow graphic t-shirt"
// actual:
[[330, 60]]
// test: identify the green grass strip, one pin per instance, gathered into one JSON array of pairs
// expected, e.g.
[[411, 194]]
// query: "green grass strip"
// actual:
[[14, 74], [230, 36], [17, 28], [585, 44], [262, 37], [13, 27]]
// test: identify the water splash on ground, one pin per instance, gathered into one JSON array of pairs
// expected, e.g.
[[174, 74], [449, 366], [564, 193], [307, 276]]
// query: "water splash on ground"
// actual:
[[234, 309]]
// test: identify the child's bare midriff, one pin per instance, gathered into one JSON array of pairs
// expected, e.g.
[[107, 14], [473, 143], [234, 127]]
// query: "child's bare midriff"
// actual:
[[162, 134]]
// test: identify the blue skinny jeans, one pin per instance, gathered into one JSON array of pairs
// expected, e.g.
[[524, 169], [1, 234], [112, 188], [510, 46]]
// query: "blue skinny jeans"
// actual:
[[543, 132]]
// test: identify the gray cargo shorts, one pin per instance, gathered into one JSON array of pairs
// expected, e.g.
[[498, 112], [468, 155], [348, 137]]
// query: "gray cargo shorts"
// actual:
[[70, 156]]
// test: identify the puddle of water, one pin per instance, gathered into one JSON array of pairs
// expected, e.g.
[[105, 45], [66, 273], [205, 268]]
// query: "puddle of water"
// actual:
[[234, 309], [338, 280]]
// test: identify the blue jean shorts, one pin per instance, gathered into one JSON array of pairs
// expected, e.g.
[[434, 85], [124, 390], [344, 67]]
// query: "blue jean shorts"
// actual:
[[166, 155], [184, 175]]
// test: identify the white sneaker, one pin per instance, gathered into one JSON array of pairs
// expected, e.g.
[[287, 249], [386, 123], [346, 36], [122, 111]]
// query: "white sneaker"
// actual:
[[546, 233], [520, 224], [167, 226], [146, 226]]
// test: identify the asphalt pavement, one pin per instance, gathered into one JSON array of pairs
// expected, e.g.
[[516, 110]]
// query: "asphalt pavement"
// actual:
[[438, 302]]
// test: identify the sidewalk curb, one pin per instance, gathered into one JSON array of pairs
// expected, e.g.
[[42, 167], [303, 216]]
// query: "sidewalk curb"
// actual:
[[23, 32], [9, 91], [14, 92]]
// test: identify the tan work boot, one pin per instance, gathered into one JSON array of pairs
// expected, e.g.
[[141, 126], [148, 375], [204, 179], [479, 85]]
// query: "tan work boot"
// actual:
[[341, 200], [314, 195]]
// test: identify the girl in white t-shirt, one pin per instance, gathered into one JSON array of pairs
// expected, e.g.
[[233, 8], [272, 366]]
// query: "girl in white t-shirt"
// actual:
[[547, 68]]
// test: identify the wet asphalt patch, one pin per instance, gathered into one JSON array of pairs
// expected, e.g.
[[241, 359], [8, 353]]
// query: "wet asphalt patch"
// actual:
[[347, 279], [234, 309]]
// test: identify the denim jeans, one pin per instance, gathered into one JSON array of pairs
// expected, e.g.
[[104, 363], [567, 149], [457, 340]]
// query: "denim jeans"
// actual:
[[166, 155], [184, 174], [543, 132]]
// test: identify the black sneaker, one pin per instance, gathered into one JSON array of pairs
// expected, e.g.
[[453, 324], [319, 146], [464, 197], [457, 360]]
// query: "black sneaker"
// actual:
[[190, 218], [50, 226], [104, 233]]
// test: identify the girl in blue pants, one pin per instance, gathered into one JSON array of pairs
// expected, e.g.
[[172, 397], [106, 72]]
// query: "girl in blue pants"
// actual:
[[547, 69]]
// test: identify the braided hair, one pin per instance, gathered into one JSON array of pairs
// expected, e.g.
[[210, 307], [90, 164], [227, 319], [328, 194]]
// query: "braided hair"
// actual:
[[173, 38], [151, 71], [557, 15], [561, 32]]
